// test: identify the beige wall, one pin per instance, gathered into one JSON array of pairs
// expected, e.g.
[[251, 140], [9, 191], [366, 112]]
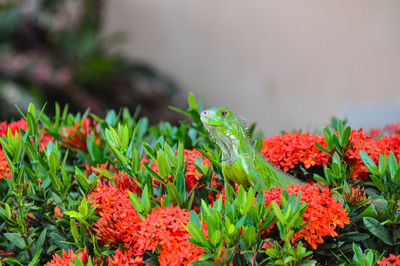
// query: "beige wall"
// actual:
[[284, 64]]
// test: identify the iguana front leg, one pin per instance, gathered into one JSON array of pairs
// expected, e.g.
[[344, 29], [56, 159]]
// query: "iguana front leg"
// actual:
[[242, 172]]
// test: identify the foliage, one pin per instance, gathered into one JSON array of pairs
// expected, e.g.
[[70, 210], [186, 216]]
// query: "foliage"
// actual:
[[54, 51], [80, 189]]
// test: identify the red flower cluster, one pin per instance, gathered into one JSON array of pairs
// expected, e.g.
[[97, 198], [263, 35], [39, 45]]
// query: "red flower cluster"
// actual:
[[74, 137], [57, 213], [324, 212], [373, 147], [163, 230], [13, 126], [287, 150], [126, 258], [67, 258], [118, 218], [389, 130], [4, 167], [393, 260]]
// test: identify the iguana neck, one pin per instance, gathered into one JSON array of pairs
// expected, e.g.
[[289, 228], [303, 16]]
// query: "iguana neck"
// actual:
[[235, 147], [231, 143]]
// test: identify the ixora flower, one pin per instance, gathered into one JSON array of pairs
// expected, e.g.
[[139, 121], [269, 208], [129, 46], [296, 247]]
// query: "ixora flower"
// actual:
[[118, 218], [125, 258], [373, 147], [15, 127], [74, 137], [324, 212], [4, 167], [163, 230], [392, 260], [67, 257], [287, 150]]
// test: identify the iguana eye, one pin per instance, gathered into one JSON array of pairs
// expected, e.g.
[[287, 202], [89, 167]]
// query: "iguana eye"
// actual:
[[223, 113]]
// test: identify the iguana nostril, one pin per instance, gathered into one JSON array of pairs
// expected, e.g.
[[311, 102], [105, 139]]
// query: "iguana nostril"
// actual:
[[204, 113]]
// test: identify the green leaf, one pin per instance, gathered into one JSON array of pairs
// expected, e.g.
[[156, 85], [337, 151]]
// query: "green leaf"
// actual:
[[173, 194], [215, 237], [345, 137], [354, 237], [321, 148], [192, 102], [74, 230], [382, 166], [369, 163], [82, 179], [335, 140], [377, 230], [40, 241], [54, 162], [16, 239], [392, 165], [35, 260], [154, 174], [146, 199], [197, 234], [136, 202], [194, 218], [336, 165], [111, 118], [378, 183], [163, 167], [277, 212]]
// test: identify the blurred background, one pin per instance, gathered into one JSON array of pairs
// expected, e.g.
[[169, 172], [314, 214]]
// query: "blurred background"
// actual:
[[286, 65]]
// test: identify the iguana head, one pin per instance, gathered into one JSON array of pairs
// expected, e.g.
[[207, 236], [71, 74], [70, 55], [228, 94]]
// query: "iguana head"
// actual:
[[226, 129]]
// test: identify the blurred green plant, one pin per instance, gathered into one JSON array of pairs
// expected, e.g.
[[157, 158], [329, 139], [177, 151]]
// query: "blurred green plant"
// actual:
[[53, 51]]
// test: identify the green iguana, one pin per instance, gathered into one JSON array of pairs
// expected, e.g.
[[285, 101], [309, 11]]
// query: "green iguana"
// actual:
[[241, 162]]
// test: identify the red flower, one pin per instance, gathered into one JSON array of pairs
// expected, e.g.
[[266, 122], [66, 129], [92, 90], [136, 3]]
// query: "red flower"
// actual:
[[118, 218], [125, 258], [74, 137], [57, 213], [163, 230], [324, 212], [45, 138], [373, 147], [15, 127], [67, 258], [4, 168], [393, 260], [287, 150], [4, 254]]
